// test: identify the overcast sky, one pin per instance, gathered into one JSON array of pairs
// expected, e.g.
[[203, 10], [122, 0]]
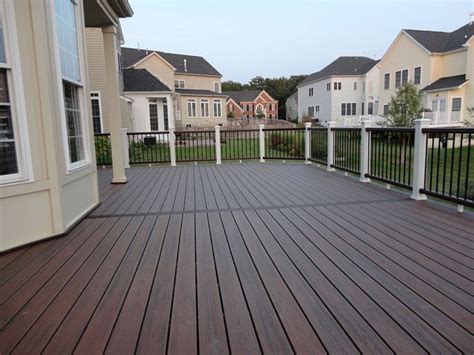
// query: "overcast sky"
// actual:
[[281, 38]]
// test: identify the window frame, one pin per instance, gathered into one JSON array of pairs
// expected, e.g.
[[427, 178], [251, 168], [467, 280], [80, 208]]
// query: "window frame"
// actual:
[[99, 99], [190, 109], [310, 92], [80, 85], [460, 103], [386, 83], [355, 85], [311, 111], [414, 74], [201, 102], [219, 102], [153, 102], [386, 108], [408, 76], [179, 81], [400, 82], [218, 87], [343, 109], [17, 100], [370, 108]]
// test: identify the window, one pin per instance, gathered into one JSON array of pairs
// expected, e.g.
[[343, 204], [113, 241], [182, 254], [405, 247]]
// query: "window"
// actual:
[[204, 108], [354, 109], [153, 115], [417, 76], [456, 104], [337, 85], [355, 85], [316, 108], [398, 79], [385, 110], [119, 62], [179, 84], [386, 81], [370, 108], [96, 112], [217, 108], [363, 87], [250, 107], [328, 86], [404, 77], [191, 108], [68, 50], [217, 87], [231, 107], [165, 114], [311, 111], [363, 109], [311, 92], [343, 109]]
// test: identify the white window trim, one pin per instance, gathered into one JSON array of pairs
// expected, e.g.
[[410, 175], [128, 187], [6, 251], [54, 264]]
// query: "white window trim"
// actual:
[[451, 103], [421, 74], [195, 108], [214, 102], [219, 87], [179, 80], [99, 98], [71, 167], [389, 78], [202, 101], [17, 100], [408, 76]]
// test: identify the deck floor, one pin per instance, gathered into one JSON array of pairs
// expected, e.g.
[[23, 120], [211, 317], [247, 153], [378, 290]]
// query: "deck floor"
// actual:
[[245, 258]]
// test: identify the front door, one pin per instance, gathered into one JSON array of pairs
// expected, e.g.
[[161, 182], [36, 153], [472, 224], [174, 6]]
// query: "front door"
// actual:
[[438, 107]]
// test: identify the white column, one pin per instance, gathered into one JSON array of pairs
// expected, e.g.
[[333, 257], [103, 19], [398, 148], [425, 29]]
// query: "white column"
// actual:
[[172, 142], [169, 103], [112, 102], [364, 151], [419, 159], [330, 160], [261, 140], [218, 145], [307, 142], [126, 155]]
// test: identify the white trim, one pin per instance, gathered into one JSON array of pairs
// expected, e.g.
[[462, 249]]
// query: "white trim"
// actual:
[[389, 79], [149, 56], [232, 100], [202, 101], [261, 92], [214, 102], [179, 80], [395, 41], [189, 101], [99, 98], [17, 100], [421, 74], [82, 92], [220, 87], [451, 103]]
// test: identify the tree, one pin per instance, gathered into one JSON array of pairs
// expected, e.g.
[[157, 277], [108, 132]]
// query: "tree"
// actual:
[[405, 106], [232, 86]]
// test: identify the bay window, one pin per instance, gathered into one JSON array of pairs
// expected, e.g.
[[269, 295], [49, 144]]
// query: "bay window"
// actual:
[[72, 85]]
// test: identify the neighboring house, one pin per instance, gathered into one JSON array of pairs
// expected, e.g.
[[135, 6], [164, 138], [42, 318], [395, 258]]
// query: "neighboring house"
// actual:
[[251, 104], [172, 90], [341, 92], [440, 64], [292, 107], [48, 176]]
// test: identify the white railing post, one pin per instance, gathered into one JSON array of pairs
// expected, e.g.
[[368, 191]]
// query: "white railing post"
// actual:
[[126, 155], [261, 141], [419, 159], [307, 142], [364, 151], [172, 142], [330, 160], [218, 145]]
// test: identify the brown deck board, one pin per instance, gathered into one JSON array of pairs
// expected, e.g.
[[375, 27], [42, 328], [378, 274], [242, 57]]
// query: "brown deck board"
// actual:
[[245, 258]]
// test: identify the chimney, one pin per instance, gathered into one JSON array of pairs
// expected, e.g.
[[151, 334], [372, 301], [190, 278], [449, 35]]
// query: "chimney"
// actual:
[[146, 51], [138, 46], [185, 66], [471, 18]]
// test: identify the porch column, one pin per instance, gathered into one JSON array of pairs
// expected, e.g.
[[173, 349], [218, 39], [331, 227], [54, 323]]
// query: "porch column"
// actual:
[[169, 103], [330, 148], [112, 100], [419, 159]]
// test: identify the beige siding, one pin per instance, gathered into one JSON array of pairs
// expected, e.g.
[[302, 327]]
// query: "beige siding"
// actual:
[[159, 68], [453, 63], [200, 121], [198, 81], [126, 112]]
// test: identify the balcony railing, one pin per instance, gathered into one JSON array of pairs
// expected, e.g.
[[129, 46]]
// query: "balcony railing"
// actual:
[[429, 161]]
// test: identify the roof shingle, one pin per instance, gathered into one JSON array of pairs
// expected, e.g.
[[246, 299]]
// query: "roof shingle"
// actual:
[[142, 80], [446, 83], [194, 64], [243, 96]]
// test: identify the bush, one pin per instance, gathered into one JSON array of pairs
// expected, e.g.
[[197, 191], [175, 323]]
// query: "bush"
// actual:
[[287, 143], [470, 191]]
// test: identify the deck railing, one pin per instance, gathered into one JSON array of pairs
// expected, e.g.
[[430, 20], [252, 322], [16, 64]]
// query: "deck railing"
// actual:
[[391, 155], [429, 161], [148, 147], [347, 149], [103, 149], [449, 168], [284, 143]]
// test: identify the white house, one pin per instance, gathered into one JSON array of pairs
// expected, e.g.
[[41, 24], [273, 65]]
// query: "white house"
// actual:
[[340, 92]]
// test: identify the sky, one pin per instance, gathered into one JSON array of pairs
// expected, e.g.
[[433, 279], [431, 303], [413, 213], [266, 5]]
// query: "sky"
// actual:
[[281, 38]]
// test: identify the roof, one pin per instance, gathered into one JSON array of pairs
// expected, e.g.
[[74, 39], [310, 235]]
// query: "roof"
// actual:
[[194, 64], [446, 83], [142, 80], [342, 66], [440, 42], [243, 96], [197, 92]]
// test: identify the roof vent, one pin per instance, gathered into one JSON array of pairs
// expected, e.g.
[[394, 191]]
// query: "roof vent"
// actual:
[[471, 18], [185, 66], [146, 51], [138, 46]]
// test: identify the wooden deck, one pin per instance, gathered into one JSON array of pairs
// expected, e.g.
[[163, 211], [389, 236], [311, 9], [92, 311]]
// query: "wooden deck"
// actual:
[[245, 258]]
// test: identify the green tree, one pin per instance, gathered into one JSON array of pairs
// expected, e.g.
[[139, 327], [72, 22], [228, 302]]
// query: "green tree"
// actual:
[[232, 86], [405, 106]]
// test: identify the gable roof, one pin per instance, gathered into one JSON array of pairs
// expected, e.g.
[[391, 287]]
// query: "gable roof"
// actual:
[[342, 66], [194, 64], [447, 82], [241, 96], [142, 80], [440, 42]]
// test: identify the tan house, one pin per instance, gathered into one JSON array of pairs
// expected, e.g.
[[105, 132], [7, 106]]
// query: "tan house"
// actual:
[[172, 90], [48, 178], [251, 104], [438, 63]]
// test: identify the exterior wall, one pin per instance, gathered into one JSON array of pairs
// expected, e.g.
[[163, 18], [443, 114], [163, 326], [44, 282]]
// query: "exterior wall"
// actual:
[[347, 94], [159, 68], [453, 64], [141, 111], [373, 95], [199, 82], [451, 117], [469, 101], [405, 54], [291, 109], [231, 106], [320, 97], [126, 114], [52, 199], [199, 121]]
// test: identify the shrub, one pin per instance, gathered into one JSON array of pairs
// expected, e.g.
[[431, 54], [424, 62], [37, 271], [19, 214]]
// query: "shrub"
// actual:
[[287, 143]]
